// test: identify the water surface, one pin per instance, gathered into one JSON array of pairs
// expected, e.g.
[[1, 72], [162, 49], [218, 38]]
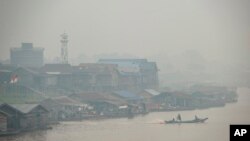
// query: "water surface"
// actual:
[[149, 127]]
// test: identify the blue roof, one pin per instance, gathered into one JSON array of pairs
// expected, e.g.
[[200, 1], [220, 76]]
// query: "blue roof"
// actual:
[[127, 95]]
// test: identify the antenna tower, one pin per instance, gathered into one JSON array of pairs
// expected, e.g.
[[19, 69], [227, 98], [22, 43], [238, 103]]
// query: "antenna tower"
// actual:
[[64, 48]]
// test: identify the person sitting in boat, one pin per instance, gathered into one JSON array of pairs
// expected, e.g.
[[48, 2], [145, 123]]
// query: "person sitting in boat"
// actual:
[[196, 118], [179, 117]]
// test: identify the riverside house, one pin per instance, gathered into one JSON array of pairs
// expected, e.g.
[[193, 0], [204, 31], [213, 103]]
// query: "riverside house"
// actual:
[[25, 116]]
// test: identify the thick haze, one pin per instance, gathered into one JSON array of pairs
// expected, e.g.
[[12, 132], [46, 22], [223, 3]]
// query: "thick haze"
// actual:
[[205, 37]]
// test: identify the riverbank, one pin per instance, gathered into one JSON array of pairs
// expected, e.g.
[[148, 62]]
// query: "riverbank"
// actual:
[[149, 127], [76, 108]]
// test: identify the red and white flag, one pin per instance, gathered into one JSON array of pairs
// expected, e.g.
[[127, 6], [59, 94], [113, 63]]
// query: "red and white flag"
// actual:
[[14, 78]]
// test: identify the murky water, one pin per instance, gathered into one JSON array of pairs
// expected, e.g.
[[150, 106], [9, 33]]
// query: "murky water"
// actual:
[[148, 128]]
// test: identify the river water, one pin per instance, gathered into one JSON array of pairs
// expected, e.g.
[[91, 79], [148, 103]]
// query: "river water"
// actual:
[[149, 127]]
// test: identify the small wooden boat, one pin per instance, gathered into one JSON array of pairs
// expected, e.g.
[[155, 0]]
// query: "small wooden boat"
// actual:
[[197, 120]]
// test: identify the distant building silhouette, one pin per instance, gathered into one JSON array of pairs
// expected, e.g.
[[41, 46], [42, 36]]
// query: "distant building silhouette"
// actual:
[[26, 56], [137, 74]]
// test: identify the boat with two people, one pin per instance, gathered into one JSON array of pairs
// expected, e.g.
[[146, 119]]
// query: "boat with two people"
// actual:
[[178, 120]]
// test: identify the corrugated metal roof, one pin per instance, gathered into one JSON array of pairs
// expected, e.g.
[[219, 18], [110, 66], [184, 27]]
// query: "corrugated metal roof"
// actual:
[[4, 113], [152, 92], [24, 108], [95, 68], [29, 70], [128, 95], [98, 97], [67, 101], [8, 67], [49, 104], [62, 68]]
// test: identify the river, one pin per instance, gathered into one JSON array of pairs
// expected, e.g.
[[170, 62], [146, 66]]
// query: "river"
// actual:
[[149, 127]]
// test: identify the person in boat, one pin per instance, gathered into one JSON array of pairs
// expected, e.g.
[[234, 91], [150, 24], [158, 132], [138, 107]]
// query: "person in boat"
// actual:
[[196, 118], [179, 117]]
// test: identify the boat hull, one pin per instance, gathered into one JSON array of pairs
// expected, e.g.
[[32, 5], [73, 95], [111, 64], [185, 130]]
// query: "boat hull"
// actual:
[[187, 121]]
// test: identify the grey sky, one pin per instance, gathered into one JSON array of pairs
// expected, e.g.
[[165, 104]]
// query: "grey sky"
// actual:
[[218, 30]]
